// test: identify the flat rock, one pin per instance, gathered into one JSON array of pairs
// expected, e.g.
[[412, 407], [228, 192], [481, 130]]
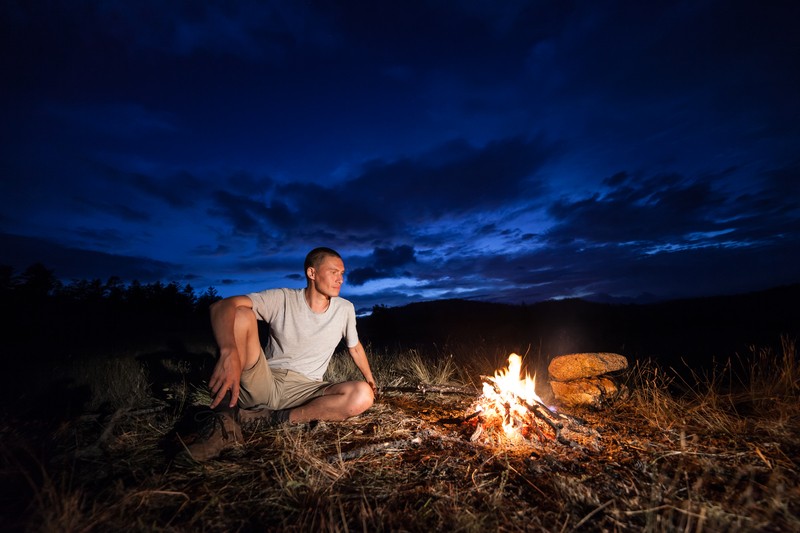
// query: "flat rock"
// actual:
[[584, 392], [585, 365]]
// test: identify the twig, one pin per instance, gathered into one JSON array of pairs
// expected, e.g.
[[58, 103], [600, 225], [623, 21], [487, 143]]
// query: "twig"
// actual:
[[477, 433], [557, 426], [95, 448], [394, 445], [665, 507], [458, 419], [372, 448], [591, 514], [136, 412], [144, 494], [761, 455], [378, 447], [118, 414]]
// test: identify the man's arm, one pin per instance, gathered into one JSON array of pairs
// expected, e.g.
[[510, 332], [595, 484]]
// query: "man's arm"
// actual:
[[228, 370], [360, 359]]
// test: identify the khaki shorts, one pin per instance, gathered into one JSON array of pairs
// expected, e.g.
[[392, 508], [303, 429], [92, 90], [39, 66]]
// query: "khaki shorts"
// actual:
[[277, 388]]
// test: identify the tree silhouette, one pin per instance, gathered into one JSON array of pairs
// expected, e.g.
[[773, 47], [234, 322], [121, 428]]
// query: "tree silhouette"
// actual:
[[47, 316], [38, 281]]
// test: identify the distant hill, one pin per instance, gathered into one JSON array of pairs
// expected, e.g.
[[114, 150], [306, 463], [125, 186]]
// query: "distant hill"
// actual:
[[696, 330]]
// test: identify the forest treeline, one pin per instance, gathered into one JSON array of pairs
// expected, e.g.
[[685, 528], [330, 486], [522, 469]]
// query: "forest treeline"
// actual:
[[44, 315]]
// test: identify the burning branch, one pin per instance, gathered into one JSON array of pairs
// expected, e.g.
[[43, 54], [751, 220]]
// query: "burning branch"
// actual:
[[510, 399]]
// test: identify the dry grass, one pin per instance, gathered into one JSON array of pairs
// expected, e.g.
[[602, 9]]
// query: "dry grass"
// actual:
[[715, 452]]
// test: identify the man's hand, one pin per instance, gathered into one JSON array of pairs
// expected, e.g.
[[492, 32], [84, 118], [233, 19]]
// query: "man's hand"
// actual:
[[226, 376]]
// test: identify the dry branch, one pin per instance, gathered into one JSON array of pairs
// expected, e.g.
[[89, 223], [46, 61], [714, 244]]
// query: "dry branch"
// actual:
[[394, 445], [95, 448], [424, 388]]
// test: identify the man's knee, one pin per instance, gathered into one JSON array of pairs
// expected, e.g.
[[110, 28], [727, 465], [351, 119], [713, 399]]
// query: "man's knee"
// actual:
[[245, 325], [361, 398], [244, 317]]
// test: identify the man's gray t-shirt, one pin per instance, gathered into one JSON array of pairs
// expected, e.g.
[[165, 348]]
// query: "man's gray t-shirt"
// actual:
[[300, 339]]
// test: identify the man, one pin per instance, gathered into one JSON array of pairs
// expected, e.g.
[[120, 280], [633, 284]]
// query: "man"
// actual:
[[285, 383]]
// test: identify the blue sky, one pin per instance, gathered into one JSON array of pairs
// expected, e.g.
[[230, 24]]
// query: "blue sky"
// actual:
[[502, 151]]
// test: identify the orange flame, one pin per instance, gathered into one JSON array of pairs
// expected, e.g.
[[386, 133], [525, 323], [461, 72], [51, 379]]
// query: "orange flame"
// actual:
[[506, 392]]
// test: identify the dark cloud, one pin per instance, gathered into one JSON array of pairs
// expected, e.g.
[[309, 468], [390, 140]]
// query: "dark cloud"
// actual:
[[597, 256], [393, 257], [359, 276], [455, 176], [648, 210], [590, 272], [115, 209], [73, 263], [243, 213], [255, 31], [387, 197], [220, 250], [383, 263], [180, 190]]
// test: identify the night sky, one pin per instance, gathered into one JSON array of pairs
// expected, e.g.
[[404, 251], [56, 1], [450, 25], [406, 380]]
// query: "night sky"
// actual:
[[502, 151]]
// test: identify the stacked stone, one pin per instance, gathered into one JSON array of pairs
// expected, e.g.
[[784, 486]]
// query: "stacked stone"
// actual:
[[582, 379]]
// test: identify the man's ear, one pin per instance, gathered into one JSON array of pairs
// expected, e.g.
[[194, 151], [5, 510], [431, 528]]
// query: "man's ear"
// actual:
[[310, 272]]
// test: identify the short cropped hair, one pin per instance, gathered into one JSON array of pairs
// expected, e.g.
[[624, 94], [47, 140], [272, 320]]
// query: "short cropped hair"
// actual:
[[317, 255]]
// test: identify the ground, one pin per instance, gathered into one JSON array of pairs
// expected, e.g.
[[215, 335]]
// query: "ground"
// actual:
[[407, 464]]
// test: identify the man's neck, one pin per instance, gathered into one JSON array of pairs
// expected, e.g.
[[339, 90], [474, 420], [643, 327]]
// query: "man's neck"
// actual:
[[317, 302]]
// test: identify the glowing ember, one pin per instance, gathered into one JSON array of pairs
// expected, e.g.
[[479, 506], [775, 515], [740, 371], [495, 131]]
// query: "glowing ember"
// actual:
[[509, 395]]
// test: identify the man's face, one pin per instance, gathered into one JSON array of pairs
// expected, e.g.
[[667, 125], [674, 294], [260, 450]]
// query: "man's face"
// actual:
[[327, 278]]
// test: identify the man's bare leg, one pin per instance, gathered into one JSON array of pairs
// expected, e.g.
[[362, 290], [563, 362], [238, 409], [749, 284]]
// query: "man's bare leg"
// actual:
[[225, 379], [340, 401], [224, 430], [245, 332]]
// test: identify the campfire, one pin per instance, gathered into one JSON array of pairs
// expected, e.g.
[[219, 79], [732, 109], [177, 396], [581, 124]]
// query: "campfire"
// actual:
[[510, 410]]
